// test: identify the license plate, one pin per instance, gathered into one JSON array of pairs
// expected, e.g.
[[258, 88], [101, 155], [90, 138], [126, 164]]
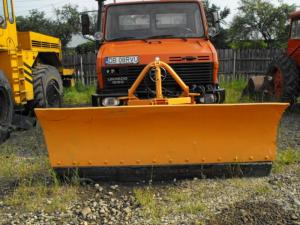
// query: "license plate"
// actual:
[[122, 60]]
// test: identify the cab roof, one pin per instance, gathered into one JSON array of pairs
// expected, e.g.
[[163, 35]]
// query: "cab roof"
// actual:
[[149, 1], [294, 15]]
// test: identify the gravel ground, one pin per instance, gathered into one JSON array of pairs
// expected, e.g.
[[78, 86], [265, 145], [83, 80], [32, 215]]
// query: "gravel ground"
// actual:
[[270, 200]]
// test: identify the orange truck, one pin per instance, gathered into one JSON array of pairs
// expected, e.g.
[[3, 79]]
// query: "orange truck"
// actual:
[[156, 68], [133, 34]]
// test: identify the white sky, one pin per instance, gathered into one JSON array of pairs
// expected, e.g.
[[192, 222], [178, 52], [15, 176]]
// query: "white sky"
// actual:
[[23, 6]]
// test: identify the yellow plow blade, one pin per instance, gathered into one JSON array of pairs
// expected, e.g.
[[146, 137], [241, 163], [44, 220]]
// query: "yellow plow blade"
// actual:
[[135, 136]]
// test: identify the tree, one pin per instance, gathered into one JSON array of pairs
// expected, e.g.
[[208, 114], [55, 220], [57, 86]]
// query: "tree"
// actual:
[[35, 21], [65, 24], [219, 41], [261, 20]]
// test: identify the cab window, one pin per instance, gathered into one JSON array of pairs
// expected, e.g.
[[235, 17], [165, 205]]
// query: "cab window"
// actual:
[[295, 32], [2, 14], [10, 11]]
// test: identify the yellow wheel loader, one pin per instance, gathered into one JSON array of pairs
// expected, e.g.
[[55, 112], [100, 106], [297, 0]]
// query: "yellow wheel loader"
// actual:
[[157, 111], [30, 69]]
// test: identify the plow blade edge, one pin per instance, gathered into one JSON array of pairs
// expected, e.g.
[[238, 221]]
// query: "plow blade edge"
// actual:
[[154, 136]]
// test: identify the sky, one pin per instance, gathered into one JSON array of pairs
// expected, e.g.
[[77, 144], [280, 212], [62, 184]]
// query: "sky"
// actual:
[[23, 6]]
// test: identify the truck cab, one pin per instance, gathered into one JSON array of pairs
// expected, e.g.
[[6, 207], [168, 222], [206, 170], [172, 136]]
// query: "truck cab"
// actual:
[[133, 34], [294, 40]]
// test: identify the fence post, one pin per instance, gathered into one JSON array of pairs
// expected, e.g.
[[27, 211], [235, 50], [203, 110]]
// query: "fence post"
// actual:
[[81, 70], [234, 64]]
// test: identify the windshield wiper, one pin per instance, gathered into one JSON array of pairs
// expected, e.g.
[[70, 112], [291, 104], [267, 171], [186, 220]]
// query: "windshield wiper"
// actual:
[[161, 36], [165, 36], [123, 39]]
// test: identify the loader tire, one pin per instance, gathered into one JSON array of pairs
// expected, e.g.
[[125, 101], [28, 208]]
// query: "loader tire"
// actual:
[[285, 80], [6, 108], [48, 87]]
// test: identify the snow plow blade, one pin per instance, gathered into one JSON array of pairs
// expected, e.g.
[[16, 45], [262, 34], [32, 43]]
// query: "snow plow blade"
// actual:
[[99, 140]]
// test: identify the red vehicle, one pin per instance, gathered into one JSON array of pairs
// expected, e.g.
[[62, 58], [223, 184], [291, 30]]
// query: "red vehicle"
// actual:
[[285, 70]]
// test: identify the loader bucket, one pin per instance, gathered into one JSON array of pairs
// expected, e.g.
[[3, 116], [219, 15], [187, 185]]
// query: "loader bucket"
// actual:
[[98, 140]]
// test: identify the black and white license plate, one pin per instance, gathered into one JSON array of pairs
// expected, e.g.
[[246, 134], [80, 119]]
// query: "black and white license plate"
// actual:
[[122, 60]]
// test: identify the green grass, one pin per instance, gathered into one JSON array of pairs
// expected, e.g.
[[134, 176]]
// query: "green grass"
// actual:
[[151, 209], [234, 90], [79, 94], [285, 158], [50, 198], [33, 184]]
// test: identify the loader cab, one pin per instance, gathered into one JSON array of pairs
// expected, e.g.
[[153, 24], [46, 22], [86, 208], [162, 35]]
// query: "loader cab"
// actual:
[[8, 29], [294, 39]]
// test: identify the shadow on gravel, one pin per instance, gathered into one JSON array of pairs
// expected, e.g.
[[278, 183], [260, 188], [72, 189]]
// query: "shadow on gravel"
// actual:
[[254, 213]]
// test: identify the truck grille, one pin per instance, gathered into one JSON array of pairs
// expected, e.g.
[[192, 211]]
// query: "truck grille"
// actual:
[[190, 73]]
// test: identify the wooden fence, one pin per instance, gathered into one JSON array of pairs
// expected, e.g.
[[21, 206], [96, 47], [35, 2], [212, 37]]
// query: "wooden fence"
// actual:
[[234, 64]]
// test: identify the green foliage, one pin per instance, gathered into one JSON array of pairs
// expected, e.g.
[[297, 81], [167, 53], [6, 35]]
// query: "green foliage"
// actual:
[[36, 21], [286, 157], [146, 197], [234, 90], [86, 47], [79, 95], [219, 41], [65, 23], [261, 20], [37, 185], [248, 44]]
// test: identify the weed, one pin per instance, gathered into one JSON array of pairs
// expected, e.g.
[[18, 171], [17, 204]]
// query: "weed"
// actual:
[[178, 196], [192, 207], [146, 198], [185, 201], [42, 196], [79, 94], [20, 168], [234, 90], [286, 157], [263, 190], [36, 185]]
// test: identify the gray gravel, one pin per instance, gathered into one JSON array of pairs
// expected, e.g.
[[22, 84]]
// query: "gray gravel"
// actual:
[[289, 132]]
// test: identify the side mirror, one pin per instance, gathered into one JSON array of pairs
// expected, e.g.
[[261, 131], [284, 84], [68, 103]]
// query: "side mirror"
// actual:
[[214, 28], [85, 24], [2, 20], [216, 17]]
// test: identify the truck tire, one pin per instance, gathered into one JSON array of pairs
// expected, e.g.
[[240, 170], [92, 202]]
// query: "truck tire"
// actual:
[[285, 80], [48, 87], [6, 108]]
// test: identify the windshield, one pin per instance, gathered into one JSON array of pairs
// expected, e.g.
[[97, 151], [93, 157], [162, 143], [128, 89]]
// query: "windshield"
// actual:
[[2, 14], [295, 34], [154, 20]]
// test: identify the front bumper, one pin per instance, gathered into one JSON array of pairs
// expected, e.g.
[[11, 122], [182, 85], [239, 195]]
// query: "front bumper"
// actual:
[[218, 95]]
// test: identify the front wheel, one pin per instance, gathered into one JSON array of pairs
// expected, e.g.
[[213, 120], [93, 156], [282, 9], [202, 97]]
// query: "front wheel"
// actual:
[[6, 108], [48, 87]]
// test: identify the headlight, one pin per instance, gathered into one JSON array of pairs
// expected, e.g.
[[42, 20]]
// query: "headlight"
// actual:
[[110, 101]]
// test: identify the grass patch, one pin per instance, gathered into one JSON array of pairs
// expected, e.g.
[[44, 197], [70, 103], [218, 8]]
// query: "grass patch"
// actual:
[[34, 184], [263, 190], [80, 94], [234, 90], [146, 198], [192, 207], [18, 168], [185, 202], [42, 196], [285, 158]]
